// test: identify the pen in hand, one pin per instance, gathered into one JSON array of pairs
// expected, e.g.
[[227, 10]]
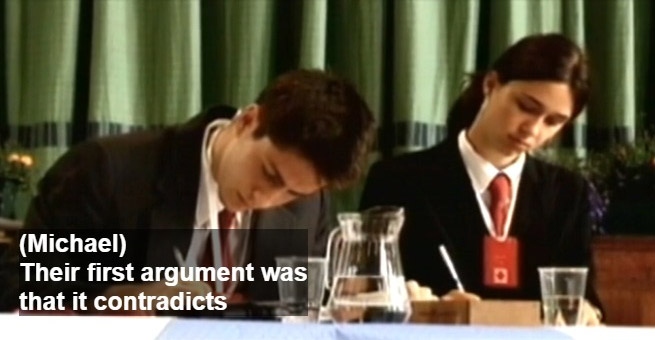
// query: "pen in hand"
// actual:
[[451, 267]]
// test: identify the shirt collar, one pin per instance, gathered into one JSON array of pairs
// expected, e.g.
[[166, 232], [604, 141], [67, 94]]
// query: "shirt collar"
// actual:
[[212, 131], [481, 171]]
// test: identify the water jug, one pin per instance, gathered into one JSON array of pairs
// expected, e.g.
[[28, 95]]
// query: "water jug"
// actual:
[[365, 273]]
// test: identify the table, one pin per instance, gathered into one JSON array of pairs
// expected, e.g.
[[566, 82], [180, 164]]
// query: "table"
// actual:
[[94, 327]]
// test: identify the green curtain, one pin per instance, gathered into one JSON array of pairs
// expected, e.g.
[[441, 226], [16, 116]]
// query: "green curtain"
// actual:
[[144, 64], [434, 48], [76, 69], [40, 66], [613, 42]]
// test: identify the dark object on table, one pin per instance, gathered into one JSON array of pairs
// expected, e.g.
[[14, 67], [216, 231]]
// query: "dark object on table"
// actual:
[[264, 310]]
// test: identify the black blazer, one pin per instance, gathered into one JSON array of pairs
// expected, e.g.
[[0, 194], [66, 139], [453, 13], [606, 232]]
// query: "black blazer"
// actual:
[[149, 180], [550, 219]]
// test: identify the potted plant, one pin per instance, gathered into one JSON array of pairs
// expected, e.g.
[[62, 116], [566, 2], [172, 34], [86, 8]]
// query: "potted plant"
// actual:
[[622, 180], [15, 176]]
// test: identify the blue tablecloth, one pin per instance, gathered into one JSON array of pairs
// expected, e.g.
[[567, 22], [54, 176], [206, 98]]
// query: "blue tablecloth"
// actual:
[[104, 327], [218, 329]]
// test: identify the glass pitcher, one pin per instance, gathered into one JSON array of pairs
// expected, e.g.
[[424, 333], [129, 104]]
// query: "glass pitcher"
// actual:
[[367, 281]]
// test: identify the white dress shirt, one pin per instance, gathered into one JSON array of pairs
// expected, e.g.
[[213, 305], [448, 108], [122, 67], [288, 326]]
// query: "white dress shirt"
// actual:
[[208, 205], [481, 172]]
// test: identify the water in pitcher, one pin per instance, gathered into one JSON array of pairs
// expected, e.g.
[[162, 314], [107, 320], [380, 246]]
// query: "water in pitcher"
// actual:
[[366, 299], [562, 310]]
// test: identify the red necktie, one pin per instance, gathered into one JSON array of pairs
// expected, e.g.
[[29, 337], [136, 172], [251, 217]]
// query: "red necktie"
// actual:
[[226, 220], [501, 197]]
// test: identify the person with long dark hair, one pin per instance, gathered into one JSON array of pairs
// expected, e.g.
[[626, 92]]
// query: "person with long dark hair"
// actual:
[[499, 212]]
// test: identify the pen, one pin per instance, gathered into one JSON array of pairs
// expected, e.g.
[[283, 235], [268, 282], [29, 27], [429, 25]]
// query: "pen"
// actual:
[[451, 267]]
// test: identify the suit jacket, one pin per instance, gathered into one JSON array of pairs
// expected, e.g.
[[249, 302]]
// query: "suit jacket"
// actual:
[[150, 180], [551, 220]]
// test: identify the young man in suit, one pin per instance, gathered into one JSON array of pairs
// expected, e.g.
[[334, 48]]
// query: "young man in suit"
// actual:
[[266, 166], [500, 212]]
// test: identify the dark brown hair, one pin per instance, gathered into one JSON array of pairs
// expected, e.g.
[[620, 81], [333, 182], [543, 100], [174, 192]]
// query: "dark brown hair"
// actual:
[[321, 116], [542, 57]]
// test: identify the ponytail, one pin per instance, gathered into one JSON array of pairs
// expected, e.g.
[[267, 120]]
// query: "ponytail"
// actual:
[[463, 111]]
